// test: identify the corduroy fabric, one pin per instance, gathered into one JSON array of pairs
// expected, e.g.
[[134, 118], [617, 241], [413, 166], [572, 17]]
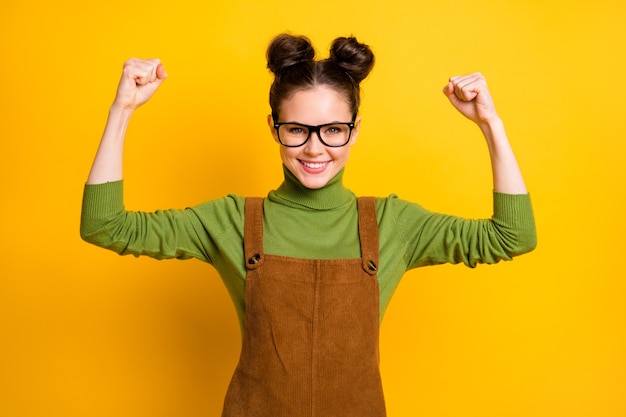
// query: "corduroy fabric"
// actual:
[[310, 344]]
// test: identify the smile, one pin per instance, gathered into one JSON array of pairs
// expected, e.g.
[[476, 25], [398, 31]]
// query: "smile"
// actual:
[[314, 165]]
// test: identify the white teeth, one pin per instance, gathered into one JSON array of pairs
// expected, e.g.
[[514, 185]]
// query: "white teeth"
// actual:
[[314, 165]]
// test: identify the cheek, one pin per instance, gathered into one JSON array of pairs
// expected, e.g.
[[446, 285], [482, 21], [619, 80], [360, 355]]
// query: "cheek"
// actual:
[[286, 153], [341, 153]]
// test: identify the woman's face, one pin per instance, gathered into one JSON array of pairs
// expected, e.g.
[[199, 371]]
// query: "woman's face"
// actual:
[[313, 163]]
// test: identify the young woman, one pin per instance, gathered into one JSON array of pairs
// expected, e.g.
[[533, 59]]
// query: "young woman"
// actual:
[[311, 268]]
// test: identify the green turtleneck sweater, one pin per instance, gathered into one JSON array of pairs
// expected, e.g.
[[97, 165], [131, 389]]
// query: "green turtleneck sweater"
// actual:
[[305, 223]]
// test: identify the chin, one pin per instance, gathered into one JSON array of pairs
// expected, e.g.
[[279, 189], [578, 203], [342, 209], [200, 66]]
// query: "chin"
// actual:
[[314, 183]]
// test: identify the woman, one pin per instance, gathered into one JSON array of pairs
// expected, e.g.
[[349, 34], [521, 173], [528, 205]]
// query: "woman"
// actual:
[[311, 268]]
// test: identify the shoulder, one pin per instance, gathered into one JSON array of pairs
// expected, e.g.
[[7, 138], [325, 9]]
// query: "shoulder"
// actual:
[[392, 205], [227, 209]]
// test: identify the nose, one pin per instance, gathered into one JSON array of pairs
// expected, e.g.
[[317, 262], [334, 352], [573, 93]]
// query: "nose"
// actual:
[[314, 145]]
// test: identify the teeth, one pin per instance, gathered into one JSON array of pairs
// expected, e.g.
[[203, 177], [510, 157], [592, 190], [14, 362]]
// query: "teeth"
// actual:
[[314, 165]]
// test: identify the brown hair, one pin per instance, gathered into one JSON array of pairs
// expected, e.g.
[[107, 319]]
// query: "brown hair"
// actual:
[[292, 60]]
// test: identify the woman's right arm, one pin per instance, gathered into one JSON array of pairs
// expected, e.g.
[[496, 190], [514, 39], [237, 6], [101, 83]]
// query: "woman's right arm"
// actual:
[[140, 80], [104, 220]]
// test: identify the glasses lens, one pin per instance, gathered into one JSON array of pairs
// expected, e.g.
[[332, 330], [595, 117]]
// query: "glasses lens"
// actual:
[[336, 134], [293, 134]]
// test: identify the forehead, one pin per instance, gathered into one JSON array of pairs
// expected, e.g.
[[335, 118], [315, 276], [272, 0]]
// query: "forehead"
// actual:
[[317, 105]]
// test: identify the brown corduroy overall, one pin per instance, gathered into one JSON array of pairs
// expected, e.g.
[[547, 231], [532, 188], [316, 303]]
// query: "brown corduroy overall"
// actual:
[[310, 345]]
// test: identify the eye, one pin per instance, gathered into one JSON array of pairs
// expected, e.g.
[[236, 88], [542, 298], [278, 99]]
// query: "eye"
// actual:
[[334, 130], [296, 130]]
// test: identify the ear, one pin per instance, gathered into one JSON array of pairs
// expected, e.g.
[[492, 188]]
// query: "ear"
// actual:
[[270, 123], [355, 131]]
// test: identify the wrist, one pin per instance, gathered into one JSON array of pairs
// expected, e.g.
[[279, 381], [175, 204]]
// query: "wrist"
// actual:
[[492, 124], [120, 111], [492, 129]]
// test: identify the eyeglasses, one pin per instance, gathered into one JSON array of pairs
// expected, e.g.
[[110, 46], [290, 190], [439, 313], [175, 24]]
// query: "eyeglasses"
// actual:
[[334, 135]]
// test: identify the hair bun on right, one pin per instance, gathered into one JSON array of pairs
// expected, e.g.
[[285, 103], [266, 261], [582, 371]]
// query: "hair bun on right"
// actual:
[[356, 59]]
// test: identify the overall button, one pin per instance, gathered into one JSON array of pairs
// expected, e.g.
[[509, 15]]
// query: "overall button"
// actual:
[[371, 266]]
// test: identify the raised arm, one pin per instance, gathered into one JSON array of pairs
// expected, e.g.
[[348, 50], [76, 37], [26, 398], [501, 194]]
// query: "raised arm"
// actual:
[[140, 80], [470, 96]]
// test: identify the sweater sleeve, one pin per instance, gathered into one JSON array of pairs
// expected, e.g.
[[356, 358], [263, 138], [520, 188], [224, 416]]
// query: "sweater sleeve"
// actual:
[[163, 234], [433, 238]]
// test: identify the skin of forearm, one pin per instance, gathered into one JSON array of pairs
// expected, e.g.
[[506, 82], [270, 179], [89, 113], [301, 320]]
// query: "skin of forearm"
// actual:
[[107, 165], [507, 177]]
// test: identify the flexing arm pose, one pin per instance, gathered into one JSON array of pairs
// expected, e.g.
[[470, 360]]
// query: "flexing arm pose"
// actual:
[[470, 96], [140, 80]]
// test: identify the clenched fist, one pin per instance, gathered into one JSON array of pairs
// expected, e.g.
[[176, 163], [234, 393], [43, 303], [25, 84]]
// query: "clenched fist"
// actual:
[[140, 80], [470, 96]]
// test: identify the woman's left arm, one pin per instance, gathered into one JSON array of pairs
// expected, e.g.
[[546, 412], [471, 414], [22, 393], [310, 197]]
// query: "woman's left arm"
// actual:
[[470, 95]]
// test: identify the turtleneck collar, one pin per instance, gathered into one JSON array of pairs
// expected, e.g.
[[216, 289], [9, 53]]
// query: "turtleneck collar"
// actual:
[[330, 196]]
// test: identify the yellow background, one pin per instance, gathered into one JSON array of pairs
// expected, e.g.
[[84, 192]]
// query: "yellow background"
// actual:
[[84, 332]]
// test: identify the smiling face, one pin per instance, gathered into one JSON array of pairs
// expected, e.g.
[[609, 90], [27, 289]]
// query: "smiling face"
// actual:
[[313, 163]]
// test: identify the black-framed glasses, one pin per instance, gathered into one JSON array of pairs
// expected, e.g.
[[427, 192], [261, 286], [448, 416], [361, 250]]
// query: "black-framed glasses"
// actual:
[[334, 135]]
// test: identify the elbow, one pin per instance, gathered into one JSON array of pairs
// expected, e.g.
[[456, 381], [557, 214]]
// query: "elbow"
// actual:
[[88, 235], [533, 244], [95, 234], [525, 244], [85, 235]]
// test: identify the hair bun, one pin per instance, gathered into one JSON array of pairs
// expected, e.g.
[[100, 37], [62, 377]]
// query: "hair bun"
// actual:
[[288, 50], [357, 59]]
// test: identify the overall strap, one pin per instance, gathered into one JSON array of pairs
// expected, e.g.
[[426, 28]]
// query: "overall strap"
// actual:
[[253, 232], [368, 233]]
